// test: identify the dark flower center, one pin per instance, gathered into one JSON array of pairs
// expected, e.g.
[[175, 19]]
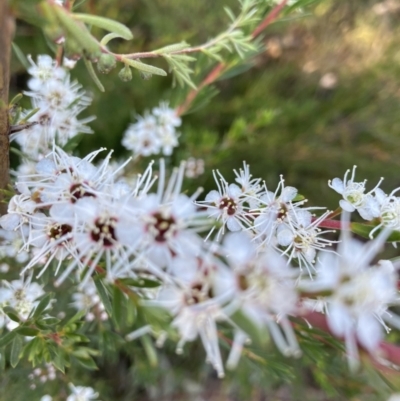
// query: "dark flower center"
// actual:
[[162, 227], [58, 231], [229, 205], [79, 191], [104, 231]]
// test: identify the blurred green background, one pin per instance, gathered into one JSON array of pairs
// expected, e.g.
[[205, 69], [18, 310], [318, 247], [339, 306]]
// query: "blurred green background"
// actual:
[[323, 96]]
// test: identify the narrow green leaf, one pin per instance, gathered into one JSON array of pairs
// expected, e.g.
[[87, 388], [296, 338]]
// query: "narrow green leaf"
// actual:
[[150, 350], [11, 313], [141, 282], [2, 360], [144, 67], [16, 349], [108, 37], [27, 331], [364, 230], [73, 143], [49, 320], [258, 335], [77, 30], [20, 56], [172, 48], [16, 99], [107, 24], [87, 363], [75, 318], [101, 289], [43, 304], [78, 3], [93, 75], [30, 114], [7, 338], [59, 362], [117, 306]]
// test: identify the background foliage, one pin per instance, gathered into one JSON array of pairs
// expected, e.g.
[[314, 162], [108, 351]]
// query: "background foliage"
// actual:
[[323, 96]]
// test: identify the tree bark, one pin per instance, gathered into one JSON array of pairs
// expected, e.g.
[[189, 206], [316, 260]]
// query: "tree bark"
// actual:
[[6, 34]]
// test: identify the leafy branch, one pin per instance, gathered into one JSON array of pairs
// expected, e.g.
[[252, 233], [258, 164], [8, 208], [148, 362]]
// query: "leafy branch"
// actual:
[[71, 32]]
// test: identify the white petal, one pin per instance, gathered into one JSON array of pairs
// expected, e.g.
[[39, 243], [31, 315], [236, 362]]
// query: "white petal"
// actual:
[[347, 206], [288, 194], [337, 185], [233, 224], [338, 319], [369, 332], [285, 237]]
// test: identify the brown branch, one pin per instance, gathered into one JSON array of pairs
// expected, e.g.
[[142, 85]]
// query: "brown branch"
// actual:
[[6, 34]]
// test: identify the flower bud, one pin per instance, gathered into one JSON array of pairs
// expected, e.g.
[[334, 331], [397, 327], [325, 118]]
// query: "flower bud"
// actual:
[[106, 63], [125, 74]]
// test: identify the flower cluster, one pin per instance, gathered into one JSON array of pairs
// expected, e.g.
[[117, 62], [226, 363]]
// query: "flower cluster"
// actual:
[[153, 133], [78, 393], [374, 204], [59, 101], [21, 295], [83, 222], [272, 219], [86, 220]]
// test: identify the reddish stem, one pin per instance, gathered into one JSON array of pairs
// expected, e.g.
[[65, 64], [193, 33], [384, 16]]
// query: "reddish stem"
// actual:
[[271, 17]]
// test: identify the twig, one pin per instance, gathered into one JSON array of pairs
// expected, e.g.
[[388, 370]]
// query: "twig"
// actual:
[[217, 71]]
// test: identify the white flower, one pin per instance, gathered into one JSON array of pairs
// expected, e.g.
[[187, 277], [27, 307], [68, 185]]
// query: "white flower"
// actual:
[[250, 186], [162, 226], [360, 293], [264, 289], [153, 132], [166, 116], [21, 295], [301, 238], [354, 197], [226, 205], [196, 314], [80, 393], [275, 209]]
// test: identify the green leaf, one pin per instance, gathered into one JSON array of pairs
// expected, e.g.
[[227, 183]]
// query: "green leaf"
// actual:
[[144, 67], [107, 24], [6, 339], [141, 282], [49, 320], [73, 143], [59, 362], [172, 48], [16, 349], [78, 31], [11, 313], [117, 305], [43, 304], [87, 363], [150, 350], [2, 360], [16, 99], [27, 331], [29, 115], [20, 55], [364, 230], [93, 75], [75, 318], [108, 37], [258, 335], [101, 289]]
